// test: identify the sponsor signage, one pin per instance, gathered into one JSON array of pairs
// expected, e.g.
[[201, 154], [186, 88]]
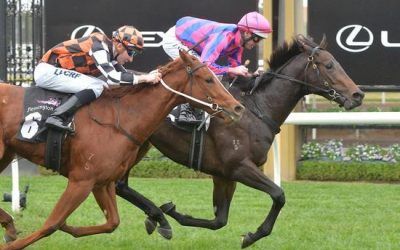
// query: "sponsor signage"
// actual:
[[76, 18], [364, 35]]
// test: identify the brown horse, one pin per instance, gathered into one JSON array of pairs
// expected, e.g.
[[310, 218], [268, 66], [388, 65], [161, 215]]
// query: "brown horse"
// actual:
[[98, 155], [233, 153]]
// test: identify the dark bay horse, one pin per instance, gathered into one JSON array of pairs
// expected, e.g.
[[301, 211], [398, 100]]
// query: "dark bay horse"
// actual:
[[108, 136], [234, 153]]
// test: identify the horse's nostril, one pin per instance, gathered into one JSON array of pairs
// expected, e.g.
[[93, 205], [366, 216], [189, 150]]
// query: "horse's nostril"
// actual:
[[358, 95], [239, 109]]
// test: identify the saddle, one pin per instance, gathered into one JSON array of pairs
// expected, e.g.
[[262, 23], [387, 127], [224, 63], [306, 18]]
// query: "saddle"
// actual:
[[38, 105]]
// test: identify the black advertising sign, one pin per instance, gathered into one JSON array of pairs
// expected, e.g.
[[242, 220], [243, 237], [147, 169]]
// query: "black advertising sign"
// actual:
[[363, 35], [152, 17]]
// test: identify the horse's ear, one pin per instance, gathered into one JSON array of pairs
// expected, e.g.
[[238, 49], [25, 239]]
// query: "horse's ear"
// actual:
[[324, 43], [302, 42], [185, 56]]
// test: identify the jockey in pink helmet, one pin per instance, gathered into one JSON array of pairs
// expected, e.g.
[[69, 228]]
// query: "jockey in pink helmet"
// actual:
[[255, 23], [211, 41]]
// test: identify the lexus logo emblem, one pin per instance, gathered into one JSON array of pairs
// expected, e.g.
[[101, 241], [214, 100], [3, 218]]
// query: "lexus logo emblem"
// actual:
[[151, 38], [85, 30], [351, 43]]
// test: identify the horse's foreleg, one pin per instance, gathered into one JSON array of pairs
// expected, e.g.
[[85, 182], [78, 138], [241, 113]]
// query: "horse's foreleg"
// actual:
[[105, 197], [248, 174], [222, 196], [148, 207], [7, 223], [73, 196]]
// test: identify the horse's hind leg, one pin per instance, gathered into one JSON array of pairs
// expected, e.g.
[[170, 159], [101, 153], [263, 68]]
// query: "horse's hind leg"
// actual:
[[105, 197], [147, 206], [222, 197], [6, 220], [73, 196]]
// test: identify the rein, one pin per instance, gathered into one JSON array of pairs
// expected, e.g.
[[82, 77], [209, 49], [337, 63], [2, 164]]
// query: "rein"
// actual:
[[117, 124], [329, 90]]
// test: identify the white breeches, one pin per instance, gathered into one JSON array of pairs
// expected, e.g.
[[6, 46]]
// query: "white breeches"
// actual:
[[172, 45], [50, 77]]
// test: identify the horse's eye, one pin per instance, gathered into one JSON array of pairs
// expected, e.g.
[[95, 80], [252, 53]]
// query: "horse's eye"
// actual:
[[329, 65], [209, 80]]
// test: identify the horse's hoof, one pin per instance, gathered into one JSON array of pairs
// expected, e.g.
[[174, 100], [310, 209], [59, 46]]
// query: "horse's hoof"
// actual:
[[247, 240], [7, 238], [150, 225], [165, 232], [167, 207]]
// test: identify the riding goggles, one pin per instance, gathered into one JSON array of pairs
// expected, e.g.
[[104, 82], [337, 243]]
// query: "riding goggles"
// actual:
[[133, 51], [255, 38]]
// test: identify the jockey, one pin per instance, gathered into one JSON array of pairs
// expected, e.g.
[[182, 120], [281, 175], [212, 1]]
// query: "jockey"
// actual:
[[74, 65], [214, 40]]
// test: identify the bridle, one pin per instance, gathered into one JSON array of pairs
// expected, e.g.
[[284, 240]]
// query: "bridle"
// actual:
[[190, 71], [328, 89]]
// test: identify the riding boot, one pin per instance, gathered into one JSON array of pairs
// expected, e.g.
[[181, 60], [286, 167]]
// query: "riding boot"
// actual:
[[188, 115], [62, 113]]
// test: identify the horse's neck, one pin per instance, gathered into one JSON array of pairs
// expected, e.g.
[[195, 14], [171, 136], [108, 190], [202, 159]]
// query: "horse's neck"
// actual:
[[151, 105], [280, 96]]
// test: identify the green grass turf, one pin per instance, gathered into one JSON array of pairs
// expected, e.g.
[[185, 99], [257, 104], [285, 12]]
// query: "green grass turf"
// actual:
[[317, 215]]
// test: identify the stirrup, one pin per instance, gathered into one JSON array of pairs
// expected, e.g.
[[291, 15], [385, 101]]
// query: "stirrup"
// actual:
[[56, 123], [188, 121]]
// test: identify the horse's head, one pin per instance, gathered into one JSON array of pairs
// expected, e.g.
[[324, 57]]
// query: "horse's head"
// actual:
[[327, 76], [202, 84]]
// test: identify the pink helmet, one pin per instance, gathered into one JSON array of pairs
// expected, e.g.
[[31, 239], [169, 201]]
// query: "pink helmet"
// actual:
[[255, 23]]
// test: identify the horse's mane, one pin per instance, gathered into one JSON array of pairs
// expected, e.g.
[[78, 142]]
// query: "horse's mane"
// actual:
[[282, 54], [120, 91], [171, 66], [286, 51], [278, 58]]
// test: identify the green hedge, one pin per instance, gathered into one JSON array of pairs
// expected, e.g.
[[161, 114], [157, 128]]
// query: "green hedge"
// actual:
[[348, 171]]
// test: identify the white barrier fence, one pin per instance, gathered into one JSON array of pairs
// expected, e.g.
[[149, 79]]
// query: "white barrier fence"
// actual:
[[331, 118], [344, 118]]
